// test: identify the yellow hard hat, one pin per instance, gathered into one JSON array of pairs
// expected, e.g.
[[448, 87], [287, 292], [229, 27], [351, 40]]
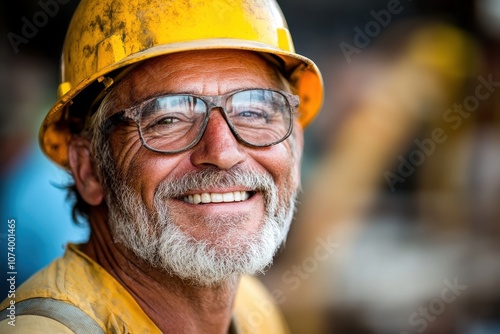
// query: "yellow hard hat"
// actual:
[[104, 36]]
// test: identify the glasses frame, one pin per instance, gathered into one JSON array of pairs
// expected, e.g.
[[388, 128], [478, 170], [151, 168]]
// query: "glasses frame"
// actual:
[[212, 102]]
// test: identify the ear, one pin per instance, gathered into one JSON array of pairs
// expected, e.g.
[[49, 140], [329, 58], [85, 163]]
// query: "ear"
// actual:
[[84, 172]]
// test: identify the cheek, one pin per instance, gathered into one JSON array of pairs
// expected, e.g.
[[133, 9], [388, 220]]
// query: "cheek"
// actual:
[[279, 162], [142, 169], [125, 144]]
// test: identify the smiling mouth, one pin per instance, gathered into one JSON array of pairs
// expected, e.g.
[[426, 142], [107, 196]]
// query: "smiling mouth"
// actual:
[[229, 197]]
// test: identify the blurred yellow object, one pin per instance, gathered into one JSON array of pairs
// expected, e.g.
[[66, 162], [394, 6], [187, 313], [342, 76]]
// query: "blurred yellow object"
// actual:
[[446, 50], [106, 36]]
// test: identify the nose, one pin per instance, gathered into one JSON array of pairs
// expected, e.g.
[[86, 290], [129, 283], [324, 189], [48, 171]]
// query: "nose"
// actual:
[[218, 147]]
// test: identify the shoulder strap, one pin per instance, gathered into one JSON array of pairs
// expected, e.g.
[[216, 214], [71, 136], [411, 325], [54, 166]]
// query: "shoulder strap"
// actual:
[[67, 314]]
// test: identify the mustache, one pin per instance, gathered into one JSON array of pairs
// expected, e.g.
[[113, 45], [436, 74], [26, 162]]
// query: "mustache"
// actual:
[[215, 178]]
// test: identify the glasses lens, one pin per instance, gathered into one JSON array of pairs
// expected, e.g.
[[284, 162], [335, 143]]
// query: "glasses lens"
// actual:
[[261, 117], [171, 123]]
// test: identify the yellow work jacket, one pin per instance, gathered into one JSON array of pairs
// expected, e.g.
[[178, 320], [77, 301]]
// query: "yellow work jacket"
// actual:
[[84, 286]]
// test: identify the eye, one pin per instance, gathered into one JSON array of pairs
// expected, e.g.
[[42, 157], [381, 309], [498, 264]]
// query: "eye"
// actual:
[[166, 121], [250, 117], [253, 114]]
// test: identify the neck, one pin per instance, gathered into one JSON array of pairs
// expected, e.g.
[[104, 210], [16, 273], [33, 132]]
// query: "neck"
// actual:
[[174, 305]]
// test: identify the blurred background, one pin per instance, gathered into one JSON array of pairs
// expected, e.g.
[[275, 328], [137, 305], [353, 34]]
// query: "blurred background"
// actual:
[[397, 225]]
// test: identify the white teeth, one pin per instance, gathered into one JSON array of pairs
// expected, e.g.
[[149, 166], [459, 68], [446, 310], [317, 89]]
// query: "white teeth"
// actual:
[[217, 198], [244, 195], [235, 196], [228, 197], [205, 198], [196, 198]]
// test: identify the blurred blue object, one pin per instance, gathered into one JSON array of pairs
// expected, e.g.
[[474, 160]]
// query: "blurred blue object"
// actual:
[[34, 195], [483, 327]]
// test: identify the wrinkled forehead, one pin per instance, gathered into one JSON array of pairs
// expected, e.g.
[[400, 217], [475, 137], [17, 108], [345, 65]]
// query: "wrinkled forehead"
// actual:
[[222, 58], [205, 72]]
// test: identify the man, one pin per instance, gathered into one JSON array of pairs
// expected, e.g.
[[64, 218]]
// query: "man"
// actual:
[[181, 123]]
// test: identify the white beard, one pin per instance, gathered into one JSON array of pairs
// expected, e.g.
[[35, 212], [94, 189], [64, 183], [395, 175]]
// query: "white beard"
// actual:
[[158, 240]]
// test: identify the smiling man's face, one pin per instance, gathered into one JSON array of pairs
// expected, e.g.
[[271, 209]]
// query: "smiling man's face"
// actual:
[[247, 194]]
